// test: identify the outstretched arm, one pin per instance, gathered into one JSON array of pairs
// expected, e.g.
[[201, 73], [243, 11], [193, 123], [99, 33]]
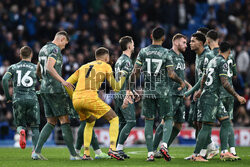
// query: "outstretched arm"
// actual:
[[72, 79], [50, 68], [193, 89]]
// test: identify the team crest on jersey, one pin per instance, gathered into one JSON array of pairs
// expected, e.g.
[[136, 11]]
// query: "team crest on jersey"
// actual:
[[55, 51], [225, 66], [128, 64]]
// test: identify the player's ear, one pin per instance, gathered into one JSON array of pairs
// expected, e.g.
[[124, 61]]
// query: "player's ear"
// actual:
[[163, 38]]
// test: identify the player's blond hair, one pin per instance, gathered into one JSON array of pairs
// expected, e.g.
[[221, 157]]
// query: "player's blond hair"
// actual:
[[101, 51]]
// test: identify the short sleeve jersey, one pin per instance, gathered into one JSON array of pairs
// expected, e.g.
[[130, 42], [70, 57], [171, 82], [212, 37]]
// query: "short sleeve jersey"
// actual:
[[216, 67], [209, 56], [49, 84], [199, 64], [179, 68], [154, 60], [90, 77], [123, 65], [24, 80], [231, 72]]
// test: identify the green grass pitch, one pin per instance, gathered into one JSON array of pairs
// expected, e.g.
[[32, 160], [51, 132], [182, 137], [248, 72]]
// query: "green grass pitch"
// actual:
[[59, 157]]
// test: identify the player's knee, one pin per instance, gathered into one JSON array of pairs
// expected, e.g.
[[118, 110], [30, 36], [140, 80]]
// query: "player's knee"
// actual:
[[110, 115], [52, 121], [149, 118], [64, 119], [223, 118], [91, 119], [178, 125]]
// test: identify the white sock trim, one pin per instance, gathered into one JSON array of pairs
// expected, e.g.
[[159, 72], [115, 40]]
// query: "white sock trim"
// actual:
[[119, 147], [224, 151], [165, 145], [203, 152], [232, 150], [150, 153]]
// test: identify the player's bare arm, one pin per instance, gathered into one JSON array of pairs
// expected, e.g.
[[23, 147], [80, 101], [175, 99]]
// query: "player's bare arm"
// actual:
[[38, 71], [198, 93], [50, 67], [131, 82], [189, 86], [174, 77], [231, 90]]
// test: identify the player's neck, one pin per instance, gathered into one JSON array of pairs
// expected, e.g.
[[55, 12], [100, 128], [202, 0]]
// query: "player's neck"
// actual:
[[213, 45], [224, 55], [200, 50], [56, 43], [176, 50], [26, 59], [157, 43], [127, 52]]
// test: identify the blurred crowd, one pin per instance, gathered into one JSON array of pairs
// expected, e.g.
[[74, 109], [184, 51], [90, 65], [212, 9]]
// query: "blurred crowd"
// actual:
[[94, 23]]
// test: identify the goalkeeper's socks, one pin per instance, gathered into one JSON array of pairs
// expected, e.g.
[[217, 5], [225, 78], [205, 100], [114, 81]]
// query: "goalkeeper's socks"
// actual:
[[175, 132], [44, 135], [125, 132], [113, 132], [158, 136], [79, 140], [35, 135], [202, 137], [167, 129], [88, 136], [68, 138], [225, 127], [148, 132]]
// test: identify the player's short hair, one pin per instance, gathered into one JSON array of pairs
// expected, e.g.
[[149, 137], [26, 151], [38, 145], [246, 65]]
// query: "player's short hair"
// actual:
[[213, 35], [101, 51], [199, 37], [178, 36], [158, 33], [64, 33], [26, 51], [203, 30], [224, 46], [124, 42]]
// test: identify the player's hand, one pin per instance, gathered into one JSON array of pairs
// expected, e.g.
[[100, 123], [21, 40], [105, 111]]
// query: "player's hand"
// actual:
[[241, 99], [128, 99], [186, 97], [182, 86], [68, 85], [197, 95], [9, 101], [137, 96]]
